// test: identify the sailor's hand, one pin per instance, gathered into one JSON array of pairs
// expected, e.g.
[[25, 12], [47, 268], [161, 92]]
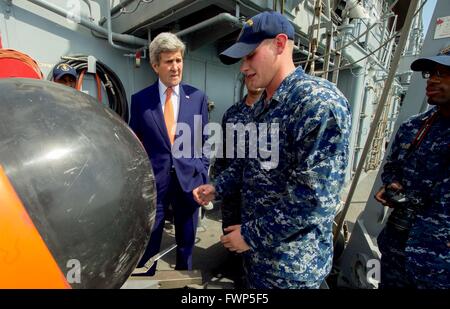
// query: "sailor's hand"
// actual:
[[234, 241], [204, 194], [379, 196]]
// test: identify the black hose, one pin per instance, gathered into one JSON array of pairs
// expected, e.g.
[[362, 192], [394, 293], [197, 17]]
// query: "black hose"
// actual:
[[117, 97]]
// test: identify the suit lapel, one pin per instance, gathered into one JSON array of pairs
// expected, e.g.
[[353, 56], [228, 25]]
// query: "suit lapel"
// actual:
[[157, 114], [187, 116], [184, 114]]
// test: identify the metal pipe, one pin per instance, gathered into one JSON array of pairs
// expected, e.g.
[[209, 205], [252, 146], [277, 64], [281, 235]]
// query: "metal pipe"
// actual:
[[337, 61], [218, 18], [310, 7], [362, 115], [345, 32], [366, 32], [326, 65], [355, 98], [123, 38], [110, 34], [152, 260], [383, 34], [367, 38], [379, 111], [306, 53], [315, 41], [390, 45], [328, 4]]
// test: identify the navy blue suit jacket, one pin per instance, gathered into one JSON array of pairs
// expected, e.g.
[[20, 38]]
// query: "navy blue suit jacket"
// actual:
[[147, 121]]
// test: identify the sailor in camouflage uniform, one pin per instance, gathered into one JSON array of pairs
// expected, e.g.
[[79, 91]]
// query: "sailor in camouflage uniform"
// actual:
[[238, 113], [415, 243], [288, 206]]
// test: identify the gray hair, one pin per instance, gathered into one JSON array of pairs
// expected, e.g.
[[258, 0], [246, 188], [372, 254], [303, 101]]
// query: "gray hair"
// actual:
[[165, 42]]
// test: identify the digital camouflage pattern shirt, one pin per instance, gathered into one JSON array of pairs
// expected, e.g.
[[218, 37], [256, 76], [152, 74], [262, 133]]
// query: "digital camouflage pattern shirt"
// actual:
[[238, 113], [424, 174], [288, 207]]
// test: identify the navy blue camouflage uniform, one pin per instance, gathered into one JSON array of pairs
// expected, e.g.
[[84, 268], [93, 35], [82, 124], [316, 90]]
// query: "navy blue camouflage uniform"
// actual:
[[288, 210], [239, 112], [420, 256]]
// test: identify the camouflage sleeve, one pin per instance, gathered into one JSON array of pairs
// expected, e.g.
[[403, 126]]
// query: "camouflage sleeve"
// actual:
[[228, 171], [229, 180], [392, 169], [312, 190], [221, 163]]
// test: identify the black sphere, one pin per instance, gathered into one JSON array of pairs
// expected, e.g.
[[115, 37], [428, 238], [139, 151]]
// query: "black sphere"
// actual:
[[81, 174]]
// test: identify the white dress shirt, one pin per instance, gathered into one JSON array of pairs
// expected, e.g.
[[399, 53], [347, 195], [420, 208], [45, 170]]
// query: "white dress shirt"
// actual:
[[175, 98]]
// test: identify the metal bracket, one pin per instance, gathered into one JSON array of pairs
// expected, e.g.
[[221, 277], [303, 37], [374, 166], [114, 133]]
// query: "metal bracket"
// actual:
[[92, 64]]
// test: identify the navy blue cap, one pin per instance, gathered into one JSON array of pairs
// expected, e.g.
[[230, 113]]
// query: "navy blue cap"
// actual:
[[63, 69], [428, 63], [265, 25]]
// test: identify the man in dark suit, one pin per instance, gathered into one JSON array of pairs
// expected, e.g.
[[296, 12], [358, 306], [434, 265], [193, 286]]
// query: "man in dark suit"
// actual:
[[169, 117]]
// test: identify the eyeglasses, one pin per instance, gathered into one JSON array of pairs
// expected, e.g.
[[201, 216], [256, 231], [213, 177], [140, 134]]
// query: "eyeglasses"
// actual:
[[436, 72]]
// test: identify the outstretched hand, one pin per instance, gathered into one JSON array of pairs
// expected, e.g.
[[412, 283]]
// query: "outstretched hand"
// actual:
[[204, 194]]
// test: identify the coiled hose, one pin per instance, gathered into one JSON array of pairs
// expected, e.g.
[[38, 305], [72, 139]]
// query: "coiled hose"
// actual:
[[117, 98]]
